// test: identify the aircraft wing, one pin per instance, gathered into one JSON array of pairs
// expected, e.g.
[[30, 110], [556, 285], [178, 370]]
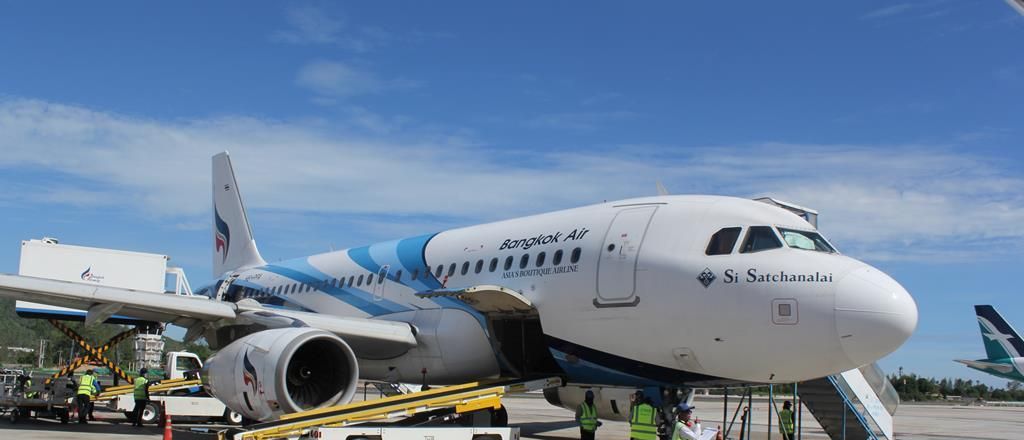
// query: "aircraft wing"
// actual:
[[199, 313], [982, 365]]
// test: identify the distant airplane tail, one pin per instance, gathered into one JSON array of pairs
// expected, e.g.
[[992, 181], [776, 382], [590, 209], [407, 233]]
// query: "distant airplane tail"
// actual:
[[1001, 340], [233, 243]]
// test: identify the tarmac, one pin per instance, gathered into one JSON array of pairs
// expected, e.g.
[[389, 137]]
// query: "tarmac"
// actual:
[[540, 421]]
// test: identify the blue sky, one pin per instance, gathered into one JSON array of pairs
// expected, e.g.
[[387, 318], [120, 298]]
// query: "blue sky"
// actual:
[[351, 122]]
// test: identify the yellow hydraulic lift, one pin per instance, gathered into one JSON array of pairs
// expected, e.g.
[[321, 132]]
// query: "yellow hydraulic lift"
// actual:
[[463, 398]]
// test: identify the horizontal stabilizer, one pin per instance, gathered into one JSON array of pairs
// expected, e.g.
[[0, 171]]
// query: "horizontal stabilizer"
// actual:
[[983, 365]]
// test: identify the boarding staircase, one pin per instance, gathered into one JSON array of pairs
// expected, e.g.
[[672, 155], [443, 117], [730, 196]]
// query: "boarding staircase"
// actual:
[[853, 405]]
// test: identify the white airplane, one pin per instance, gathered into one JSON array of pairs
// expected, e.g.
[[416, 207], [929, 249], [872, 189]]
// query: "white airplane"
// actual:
[[679, 291]]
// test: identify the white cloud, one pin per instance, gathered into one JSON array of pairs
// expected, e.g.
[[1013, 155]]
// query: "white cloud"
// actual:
[[310, 25], [888, 11], [579, 121], [334, 79], [881, 202]]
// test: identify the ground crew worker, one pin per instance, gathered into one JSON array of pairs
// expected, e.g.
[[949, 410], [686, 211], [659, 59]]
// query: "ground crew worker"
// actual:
[[787, 421], [642, 423], [86, 389], [586, 416], [28, 392], [688, 428], [141, 395]]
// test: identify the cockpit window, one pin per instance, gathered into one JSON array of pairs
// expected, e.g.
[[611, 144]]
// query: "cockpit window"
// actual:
[[811, 241], [760, 238], [723, 241]]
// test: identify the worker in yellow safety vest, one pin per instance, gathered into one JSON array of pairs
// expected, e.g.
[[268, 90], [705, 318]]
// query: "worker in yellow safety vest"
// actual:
[[642, 423], [86, 389], [586, 416], [787, 421], [141, 394]]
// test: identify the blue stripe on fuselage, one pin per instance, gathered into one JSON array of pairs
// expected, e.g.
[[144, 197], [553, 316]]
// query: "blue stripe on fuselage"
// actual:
[[408, 254], [300, 270]]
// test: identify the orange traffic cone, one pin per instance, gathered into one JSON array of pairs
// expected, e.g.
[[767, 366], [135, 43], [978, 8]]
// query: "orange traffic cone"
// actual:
[[168, 434]]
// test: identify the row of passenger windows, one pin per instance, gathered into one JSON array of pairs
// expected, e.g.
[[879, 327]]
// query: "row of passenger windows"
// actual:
[[557, 258], [760, 238]]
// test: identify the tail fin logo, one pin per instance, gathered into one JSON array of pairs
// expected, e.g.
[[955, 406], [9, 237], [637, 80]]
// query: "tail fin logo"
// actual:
[[222, 237]]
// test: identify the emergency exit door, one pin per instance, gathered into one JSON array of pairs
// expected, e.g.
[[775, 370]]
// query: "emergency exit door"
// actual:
[[616, 269]]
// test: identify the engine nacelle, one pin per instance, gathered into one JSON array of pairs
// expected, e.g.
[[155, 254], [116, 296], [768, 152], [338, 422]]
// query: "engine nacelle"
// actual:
[[280, 371], [612, 403]]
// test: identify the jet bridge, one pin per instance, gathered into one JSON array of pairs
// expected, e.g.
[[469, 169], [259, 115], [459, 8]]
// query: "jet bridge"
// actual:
[[417, 408]]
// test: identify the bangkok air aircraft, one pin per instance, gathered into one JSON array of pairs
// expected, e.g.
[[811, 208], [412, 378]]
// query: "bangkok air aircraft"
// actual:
[[666, 291], [1003, 346]]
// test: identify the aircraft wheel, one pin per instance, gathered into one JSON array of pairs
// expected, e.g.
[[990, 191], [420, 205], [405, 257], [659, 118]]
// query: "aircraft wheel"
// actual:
[[15, 415]]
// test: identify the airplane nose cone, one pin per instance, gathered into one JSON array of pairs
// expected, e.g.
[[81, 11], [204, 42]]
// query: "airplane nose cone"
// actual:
[[874, 315]]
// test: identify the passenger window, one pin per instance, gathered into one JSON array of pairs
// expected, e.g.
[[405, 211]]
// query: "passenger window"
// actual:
[[465, 267], [540, 259], [415, 274], [494, 265], [508, 262], [524, 261], [723, 241], [556, 259], [440, 270], [359, 281], [369, 279], [760, 238], [351, 280], [451, 270], [575, 257], [479, 266], [398, 276]]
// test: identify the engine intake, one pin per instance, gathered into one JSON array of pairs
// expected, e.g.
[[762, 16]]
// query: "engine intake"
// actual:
[[280, 371]]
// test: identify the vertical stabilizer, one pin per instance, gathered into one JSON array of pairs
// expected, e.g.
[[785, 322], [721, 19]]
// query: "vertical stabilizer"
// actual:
[[1001, 340], [233, 244]]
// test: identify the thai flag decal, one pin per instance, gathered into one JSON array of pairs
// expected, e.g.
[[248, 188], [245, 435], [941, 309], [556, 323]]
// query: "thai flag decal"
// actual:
[[222, 237]]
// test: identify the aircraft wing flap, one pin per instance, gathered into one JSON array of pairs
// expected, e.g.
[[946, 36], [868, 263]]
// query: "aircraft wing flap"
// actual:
[[143, 305], [487, 299]]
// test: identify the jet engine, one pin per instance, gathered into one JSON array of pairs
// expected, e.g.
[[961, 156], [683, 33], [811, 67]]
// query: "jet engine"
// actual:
[[280, 371]]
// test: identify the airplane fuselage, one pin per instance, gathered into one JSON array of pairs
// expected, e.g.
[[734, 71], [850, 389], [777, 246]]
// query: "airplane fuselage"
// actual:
[[626, 294]]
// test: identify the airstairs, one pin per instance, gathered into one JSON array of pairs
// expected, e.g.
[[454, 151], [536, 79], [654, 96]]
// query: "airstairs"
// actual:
[[856, 404]]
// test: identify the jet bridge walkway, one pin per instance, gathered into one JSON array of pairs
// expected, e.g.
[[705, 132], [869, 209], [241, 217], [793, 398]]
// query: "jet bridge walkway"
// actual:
[[461, 399]]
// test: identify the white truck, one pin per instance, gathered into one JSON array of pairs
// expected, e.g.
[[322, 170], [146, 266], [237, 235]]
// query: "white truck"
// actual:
[[189, 402]]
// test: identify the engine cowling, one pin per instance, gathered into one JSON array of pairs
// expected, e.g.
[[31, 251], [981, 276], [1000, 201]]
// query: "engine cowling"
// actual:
[[611, 403], [280, 371]]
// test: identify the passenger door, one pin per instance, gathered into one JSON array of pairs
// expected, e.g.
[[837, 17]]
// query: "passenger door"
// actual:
[[616, 269], [380, 282]]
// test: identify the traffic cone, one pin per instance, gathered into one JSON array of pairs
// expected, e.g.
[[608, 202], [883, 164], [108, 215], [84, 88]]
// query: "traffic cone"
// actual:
[[168, 434]]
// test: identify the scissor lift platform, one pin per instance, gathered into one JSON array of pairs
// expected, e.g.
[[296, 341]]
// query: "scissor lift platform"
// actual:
[[461, 399]]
